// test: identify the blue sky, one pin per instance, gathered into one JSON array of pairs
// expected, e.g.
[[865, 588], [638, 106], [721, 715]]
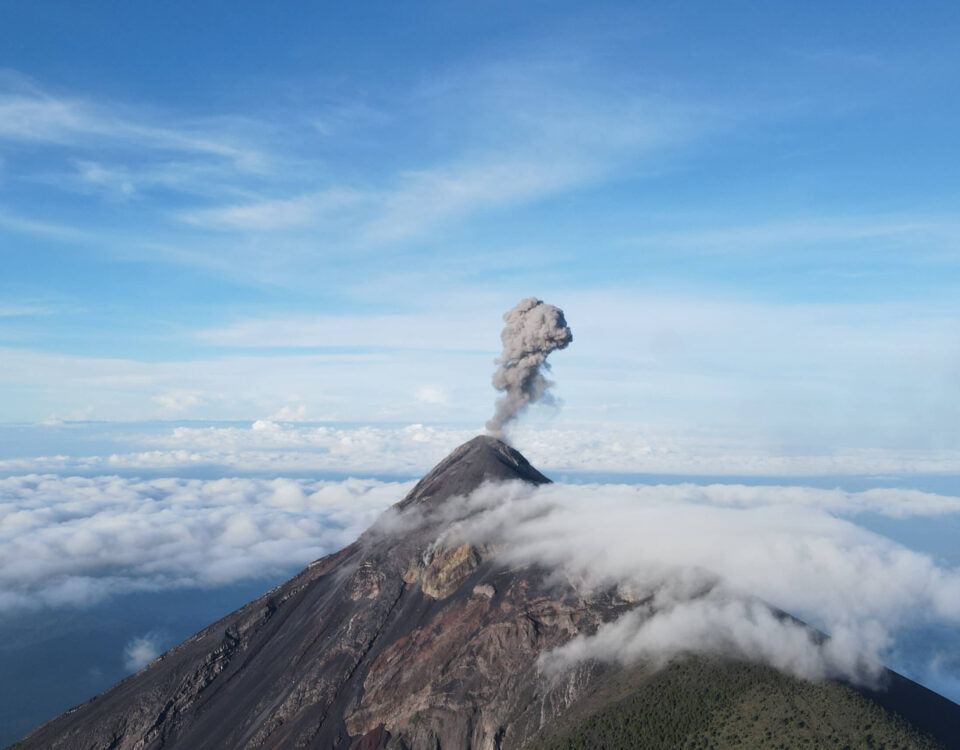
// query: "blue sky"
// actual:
[[748, 212]]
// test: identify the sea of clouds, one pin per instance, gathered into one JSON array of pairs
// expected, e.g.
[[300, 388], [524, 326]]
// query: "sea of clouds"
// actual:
[[715, 568], [78, 540], [277, 446], [706, 558]]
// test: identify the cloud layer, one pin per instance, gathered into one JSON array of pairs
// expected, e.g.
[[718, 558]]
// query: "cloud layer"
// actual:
[[702, 561], [75, 541], [708, 563], [278, 445]]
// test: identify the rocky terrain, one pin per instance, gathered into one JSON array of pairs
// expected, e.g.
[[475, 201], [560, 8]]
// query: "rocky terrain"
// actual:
[[397, 642]]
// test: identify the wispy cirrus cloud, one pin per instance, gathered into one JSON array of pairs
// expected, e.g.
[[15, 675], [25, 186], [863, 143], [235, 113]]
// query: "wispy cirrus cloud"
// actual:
[[52, 230], [31, 114], [427, 198], [417, 202], [245, 195], [918, 236], [458, 331], [24, 311], [524, 134], [312, 209]]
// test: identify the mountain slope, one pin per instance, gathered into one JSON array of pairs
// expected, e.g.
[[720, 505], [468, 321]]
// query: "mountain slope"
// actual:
[[700, 702], [396, 642]]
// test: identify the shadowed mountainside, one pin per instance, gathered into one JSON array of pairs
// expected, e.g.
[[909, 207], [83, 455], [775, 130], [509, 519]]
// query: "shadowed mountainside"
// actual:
[[397, 642]]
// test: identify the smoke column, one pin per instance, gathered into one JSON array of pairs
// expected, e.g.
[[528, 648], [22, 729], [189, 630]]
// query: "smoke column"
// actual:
[[533, 330]]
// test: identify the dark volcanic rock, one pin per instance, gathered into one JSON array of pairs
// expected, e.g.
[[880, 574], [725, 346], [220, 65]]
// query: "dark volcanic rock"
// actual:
[[483, 459], [393, 642]]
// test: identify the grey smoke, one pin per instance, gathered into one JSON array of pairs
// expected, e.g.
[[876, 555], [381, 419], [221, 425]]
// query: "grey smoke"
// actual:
[[533, 330]]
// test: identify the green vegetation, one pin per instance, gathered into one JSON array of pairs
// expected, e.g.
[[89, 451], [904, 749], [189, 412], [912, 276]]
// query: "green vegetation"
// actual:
[[708, 705]]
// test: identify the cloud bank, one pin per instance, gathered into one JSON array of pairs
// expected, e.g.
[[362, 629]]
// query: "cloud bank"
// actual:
[[283, 445], [67, 541], [709, 566], [714, 568], [75, 541], [717, 623]]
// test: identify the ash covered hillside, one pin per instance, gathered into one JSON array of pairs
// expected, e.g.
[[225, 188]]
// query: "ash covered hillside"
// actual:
[[413, 638]]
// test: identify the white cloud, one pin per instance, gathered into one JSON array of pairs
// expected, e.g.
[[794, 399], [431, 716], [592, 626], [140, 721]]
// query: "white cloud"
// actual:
[[141, 650], [706, 573], [290, 413], [527, 138], [715, 623], [69, 541], [530, 139], [823, 231], [231, 387], [277, 445], [264, 215], [22, 311], [30, 114], [452, 331], [707, 554], [74, 540], [432, 395], [790, 378], [177, 400], [427, 198], [800, 374], [47, 229], [588, 448]]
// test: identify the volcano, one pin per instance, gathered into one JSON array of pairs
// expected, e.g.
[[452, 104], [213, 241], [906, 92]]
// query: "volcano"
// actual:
[[398, 642]]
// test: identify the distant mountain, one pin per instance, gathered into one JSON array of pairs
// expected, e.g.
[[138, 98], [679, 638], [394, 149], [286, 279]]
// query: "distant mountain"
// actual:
[[395, 643]]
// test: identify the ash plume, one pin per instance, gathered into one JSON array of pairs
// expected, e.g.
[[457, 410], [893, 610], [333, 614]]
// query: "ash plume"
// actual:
[[533, 330]]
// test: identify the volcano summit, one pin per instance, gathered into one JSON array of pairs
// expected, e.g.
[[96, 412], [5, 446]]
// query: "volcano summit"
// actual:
[[404, 640]]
